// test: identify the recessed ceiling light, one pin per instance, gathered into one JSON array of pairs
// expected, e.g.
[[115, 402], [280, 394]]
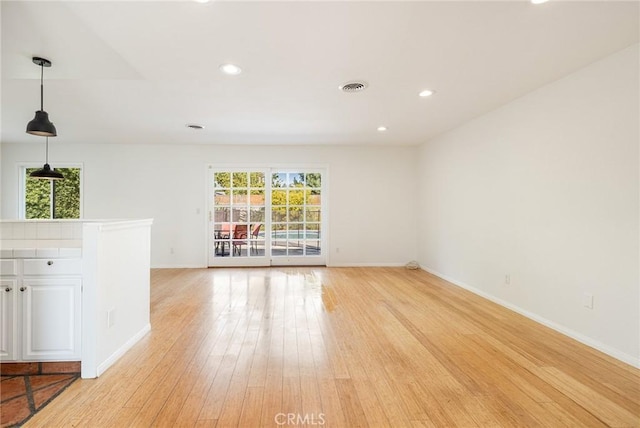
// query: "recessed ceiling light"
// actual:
[[194, 126], [382, 128], [201, 1], [426, 93], [231, 69], [538, 1]]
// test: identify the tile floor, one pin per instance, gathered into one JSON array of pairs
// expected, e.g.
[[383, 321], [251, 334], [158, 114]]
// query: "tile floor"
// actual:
[[26, 388]]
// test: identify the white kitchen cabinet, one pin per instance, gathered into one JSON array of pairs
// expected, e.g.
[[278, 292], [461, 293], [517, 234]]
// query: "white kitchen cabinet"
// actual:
[[51, 311], [8, 321], [41, 312]]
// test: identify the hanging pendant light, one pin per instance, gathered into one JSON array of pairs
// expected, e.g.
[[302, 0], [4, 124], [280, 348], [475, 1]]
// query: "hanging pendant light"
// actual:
[[41, 125], [46, 173]]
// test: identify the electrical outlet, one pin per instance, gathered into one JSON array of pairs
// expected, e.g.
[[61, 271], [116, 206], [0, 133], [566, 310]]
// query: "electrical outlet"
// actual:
[[507, 279], [111, 317]]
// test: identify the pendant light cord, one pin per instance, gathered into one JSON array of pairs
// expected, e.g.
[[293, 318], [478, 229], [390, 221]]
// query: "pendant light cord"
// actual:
[[41, 87], [46, 156]]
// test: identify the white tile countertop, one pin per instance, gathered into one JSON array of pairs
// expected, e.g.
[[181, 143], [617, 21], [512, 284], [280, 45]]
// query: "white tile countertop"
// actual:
[[27, 248]]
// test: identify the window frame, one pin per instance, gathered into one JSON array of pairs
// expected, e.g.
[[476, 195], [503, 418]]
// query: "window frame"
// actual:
[[22, 172]]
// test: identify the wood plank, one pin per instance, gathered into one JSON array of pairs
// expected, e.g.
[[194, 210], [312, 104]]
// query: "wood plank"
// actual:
[[252, 407], [331, 406], [350, 402]]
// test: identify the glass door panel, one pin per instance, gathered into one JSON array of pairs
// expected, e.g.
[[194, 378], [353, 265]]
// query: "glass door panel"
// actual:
[[237, 226], [295, 217]]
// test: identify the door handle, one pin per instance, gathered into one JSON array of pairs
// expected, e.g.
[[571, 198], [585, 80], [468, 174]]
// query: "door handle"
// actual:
[[8, 289], [23, 288]]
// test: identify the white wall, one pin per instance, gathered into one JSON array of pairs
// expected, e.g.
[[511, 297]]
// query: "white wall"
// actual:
[[546, 190], [116, 296], [371, 192]]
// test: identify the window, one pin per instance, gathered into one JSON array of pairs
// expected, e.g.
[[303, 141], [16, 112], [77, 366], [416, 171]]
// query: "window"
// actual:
[[47, 199]]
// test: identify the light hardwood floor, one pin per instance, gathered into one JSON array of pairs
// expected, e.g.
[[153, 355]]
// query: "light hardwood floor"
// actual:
[[344, 347]]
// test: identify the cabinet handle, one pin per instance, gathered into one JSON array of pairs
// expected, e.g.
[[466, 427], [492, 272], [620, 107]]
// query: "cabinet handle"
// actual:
[[8, 289], [50, 262], [23, 288]]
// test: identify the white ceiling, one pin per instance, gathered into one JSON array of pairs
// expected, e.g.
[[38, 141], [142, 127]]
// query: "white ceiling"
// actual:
[[137, 72]]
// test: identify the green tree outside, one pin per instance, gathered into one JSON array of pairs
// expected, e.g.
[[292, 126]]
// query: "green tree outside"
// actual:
[[65, 194]]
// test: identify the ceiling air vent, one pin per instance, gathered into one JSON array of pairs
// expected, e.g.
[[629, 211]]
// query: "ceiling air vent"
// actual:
[[353, 87]]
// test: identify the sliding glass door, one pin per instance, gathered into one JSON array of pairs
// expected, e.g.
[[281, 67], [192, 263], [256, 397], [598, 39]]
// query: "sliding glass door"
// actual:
[[262, 217]]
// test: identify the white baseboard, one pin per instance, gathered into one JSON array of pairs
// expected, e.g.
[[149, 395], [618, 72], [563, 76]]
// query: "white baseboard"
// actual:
[[328, 264], [121, 351], [365, 264], [615, 353], [179, 267]]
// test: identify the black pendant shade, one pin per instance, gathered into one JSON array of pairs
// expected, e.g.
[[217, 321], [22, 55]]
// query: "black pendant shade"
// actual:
[[47, 173], [41, 125]]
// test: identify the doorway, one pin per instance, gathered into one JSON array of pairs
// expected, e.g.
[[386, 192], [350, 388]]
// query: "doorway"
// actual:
[[266, 216]]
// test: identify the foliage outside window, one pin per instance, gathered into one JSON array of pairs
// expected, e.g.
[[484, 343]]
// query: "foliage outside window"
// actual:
[[46, 199]]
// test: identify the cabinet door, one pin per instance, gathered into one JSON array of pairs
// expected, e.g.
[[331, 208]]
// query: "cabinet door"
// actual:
[[8, 318], [51, 311]]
